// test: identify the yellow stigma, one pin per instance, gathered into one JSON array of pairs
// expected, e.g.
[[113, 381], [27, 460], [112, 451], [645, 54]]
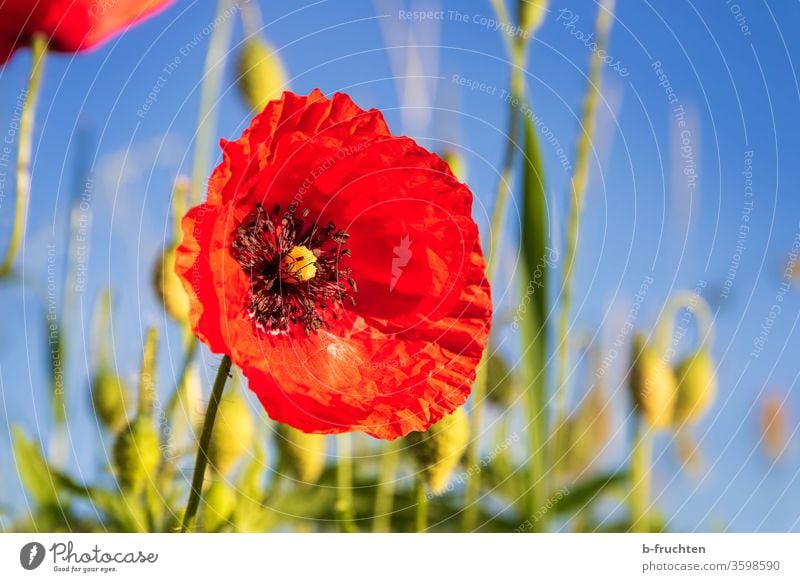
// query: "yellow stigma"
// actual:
[[299, 265]]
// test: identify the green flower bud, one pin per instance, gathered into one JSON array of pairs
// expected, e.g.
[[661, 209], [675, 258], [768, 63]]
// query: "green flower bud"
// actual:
[[109, 400], [439, 449], [233, 432], [303, 454], [260, 73], [169, 288], [220, 502], [531, 14], [137, 454], [652, 385], [697, 386]]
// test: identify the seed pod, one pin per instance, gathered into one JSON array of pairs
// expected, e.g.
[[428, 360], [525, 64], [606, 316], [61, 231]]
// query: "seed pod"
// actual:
[[531, 14], [137, 453], [220, 501], [168, 286], [233, 432], [109, 400], [302, 454], [500, 381], [652, 384], [260, 73], [457, 164], [439, 449], [697, 386]]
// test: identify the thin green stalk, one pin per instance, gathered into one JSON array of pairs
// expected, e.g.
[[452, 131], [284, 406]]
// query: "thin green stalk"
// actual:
[[422, 503], [579, 182], [384, 497], [24, 149], [639, 496], [201, 460], [213, 69], [498, 214], [344, 483]]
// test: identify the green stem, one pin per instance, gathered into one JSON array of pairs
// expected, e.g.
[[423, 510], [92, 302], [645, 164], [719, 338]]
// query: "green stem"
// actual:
[[639, 497], [201, 460], [344, 484], [384, 497], [210, 87], [498, 213], [24, 148], [579, 183], [422, 503]]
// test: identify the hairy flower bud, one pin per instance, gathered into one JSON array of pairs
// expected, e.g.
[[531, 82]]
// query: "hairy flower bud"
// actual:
[[303, 454], [220, 501], [168, 286], [233, 432], [439, 449], [137, 454], [697, 386], [109, 400], [652, 384], [260, 73], [531, 14]]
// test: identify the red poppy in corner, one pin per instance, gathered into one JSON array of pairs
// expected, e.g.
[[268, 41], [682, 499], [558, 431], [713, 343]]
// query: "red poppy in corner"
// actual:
[[69, 25], [339, 267]]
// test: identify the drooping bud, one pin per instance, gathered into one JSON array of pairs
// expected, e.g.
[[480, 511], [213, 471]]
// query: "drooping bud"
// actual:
[[233, 432], [137, 454], [439, 449], [220, 502], [531, 14], [652, 384], [168, 286], [457, 164], [260, 73], [697, 386], [110, 400], [302, 454]]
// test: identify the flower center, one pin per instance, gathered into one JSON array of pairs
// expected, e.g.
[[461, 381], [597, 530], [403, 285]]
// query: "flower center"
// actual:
[[294, 269]]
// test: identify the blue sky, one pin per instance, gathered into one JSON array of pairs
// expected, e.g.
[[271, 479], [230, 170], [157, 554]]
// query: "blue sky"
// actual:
[[730, 67]]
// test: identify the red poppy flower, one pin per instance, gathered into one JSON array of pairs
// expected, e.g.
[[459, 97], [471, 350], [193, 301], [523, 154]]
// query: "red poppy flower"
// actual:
[[339, 267], [70, 25]]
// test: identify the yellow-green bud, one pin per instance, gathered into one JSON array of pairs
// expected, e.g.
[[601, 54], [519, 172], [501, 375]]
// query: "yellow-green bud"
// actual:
[[531, 14], [439, 449], [137, 454], [220, 501], [652, 384], [457, 164], [303, 454], [109, 399], [233, 432], [169, 288], [260, 73], [499, 380], [697, 386]]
